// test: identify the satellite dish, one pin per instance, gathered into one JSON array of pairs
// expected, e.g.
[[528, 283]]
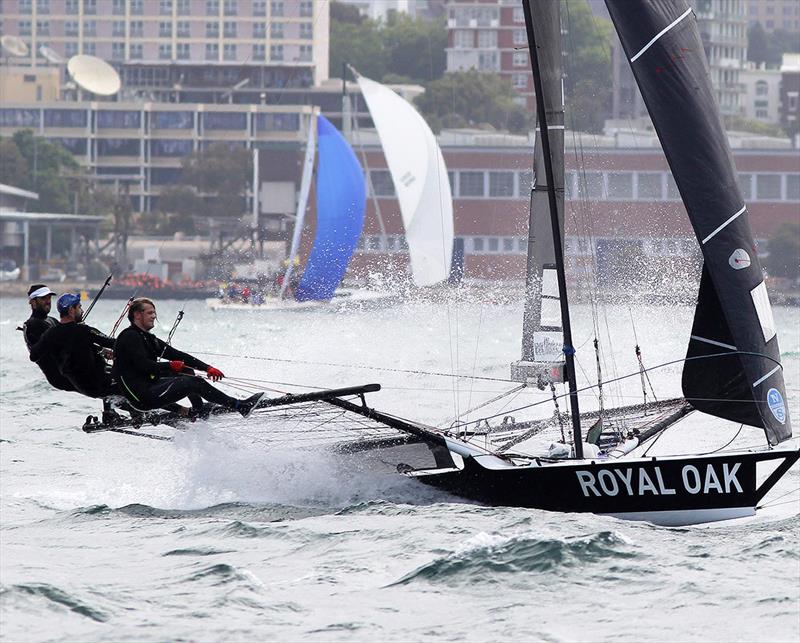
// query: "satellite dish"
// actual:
[[94, 75], [14, 46], [51, 55]]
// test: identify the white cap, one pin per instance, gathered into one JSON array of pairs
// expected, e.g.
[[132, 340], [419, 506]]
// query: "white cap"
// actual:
[[41, 292]]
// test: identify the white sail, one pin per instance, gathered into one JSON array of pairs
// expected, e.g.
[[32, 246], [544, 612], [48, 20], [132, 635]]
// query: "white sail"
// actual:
[[420, 180]]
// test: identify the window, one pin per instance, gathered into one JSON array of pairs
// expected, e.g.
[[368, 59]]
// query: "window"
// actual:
[[212, 51], [118, 7], [136, 28], [70, 27], [212, 7], [182, 51], [519, 14], [768, 187], [493, 244], [470, 184], [172, 120], [762, 88], [212, 30], [259, 30], [89, 28], [90, 7], [672, 189], [306, 53], [183, 8], [224, 120], [259, 52], [73, 145], [276, 52], [522, 245], [184, 29], [477, 244], [229, 29], [229, 52], [166, 147], [70, 49], [745, 185], [306, 9], [165, 52], [276, 7], [259, 7], [65, 118], [463, 39], [520, 59], [26, 6], [43, 27], [165, 30], [230, 8], [488, 60], [590, 185], [118, 147], [620, 185], [519, 81], [793, 187], [165, 7], [165, 175], [42, 7], [19, 117], [118, 28], [382, 184], [277, 122], [508, 244], [525, 182], [72, 6], [501, 184], [118, 51], [520, 37], [276, 30], [306, 30], [24, 27], [487, 39], [649, 184], [123, 119], [137, 7]]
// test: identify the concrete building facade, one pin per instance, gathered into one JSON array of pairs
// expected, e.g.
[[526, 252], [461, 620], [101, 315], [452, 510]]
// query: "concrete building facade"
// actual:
[[774, 14], [762, 94]]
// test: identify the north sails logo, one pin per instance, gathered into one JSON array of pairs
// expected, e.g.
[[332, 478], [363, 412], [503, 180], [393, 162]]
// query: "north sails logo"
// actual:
[[739, 259], [629, 481], [775, 402]]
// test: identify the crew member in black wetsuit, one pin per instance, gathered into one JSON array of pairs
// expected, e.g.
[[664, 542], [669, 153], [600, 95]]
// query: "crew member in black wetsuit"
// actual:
[[40, 300], [77, 350], [149, 383]]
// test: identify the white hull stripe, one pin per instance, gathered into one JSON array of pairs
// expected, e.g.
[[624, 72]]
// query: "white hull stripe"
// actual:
[[661, 33], [739, 213], [772, 372], [549, 127], [712, 342]]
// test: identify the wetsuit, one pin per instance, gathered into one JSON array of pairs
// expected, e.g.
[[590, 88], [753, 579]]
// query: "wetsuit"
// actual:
[[74, 349], [149, 383], [33, 329]]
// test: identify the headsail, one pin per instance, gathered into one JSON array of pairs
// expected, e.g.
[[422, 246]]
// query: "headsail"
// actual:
[[420, 179], [341, 199], [733, 320]]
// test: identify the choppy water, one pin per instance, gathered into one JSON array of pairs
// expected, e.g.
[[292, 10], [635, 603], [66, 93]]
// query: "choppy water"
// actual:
[[215, 537]]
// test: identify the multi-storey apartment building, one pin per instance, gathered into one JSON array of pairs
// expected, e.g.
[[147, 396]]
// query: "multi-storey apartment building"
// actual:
[[184, 49], [489, 35], [762, 94], [774, 14]]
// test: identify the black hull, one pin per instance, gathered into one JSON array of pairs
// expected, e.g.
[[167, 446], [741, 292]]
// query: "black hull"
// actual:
[[677, 490]]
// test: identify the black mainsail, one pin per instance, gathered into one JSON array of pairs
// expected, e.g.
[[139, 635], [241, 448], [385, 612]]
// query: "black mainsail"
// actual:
[[733, 368]]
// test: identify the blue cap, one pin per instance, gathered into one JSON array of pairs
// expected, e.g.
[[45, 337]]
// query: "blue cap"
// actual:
[[66, 301]]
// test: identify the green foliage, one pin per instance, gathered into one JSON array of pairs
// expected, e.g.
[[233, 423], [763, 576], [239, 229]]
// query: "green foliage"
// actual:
[[588, 79], [341, 12], [472, 99], [221, 172], [784, 252], [177, 205], [757, 44], [415, 47], [13, 166], [769, 48], [743, 124], [359, 45]]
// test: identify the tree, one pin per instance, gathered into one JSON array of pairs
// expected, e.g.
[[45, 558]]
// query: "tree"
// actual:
[[472, 99], [177, 206], [222, 173], [359, 45], [13, 167], [757, 44], [341, 12], [415, 47], [784, 252], [588, 79]]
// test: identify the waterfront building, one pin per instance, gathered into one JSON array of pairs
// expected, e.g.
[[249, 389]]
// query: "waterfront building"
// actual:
[[762, 94], [774, 14]]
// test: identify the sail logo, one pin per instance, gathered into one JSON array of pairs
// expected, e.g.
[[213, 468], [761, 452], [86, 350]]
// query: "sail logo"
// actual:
[[632, 482], [407, 179], [739, 259], [775, 403]]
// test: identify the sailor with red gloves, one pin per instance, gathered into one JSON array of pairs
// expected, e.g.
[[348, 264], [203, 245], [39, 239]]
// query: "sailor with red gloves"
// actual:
[[150, 383]]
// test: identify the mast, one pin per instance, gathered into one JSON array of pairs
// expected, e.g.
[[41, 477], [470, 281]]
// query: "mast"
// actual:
[[552, 197]]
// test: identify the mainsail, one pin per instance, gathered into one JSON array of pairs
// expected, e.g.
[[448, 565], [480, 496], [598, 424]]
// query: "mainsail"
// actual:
[[341, 199], [420, 180], [733, 368]]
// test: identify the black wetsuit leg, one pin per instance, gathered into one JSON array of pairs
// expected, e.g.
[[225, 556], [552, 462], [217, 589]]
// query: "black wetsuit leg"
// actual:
[[168, 390]]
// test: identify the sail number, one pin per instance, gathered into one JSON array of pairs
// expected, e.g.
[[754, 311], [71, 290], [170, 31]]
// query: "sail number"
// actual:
[[640, 482]]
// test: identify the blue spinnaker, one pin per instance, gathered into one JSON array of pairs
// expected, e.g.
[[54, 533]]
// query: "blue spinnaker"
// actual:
[[341, 199]]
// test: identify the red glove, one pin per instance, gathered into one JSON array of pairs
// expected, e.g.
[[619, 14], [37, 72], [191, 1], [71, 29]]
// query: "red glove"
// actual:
[[214, 374], [176, 366]]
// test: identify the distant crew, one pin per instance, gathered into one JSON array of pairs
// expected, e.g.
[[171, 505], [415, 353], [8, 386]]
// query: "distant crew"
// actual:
[[40, 300], [78, 350], [149, 382]]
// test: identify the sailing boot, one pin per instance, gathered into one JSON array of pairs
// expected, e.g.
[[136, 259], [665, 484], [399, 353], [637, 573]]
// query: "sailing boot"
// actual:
[[246, 406]]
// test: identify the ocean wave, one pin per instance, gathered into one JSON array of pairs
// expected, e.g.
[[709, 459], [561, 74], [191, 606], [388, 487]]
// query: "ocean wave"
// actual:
[[489, 556], [197, 551], [54, 596]]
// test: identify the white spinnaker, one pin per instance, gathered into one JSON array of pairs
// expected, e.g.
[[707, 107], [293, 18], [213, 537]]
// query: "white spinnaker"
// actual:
[[420, 181]]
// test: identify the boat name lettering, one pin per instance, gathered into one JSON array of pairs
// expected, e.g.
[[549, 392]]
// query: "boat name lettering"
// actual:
[[640, 482]]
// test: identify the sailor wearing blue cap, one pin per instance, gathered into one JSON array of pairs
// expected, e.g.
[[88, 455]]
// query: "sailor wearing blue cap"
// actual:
[[77, 349]]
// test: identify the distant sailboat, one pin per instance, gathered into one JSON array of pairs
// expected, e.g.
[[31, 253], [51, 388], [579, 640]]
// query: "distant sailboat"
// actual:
[[420, 179]]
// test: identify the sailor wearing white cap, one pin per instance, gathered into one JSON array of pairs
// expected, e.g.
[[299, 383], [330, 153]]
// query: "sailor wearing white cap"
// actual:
[[39, 298]]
